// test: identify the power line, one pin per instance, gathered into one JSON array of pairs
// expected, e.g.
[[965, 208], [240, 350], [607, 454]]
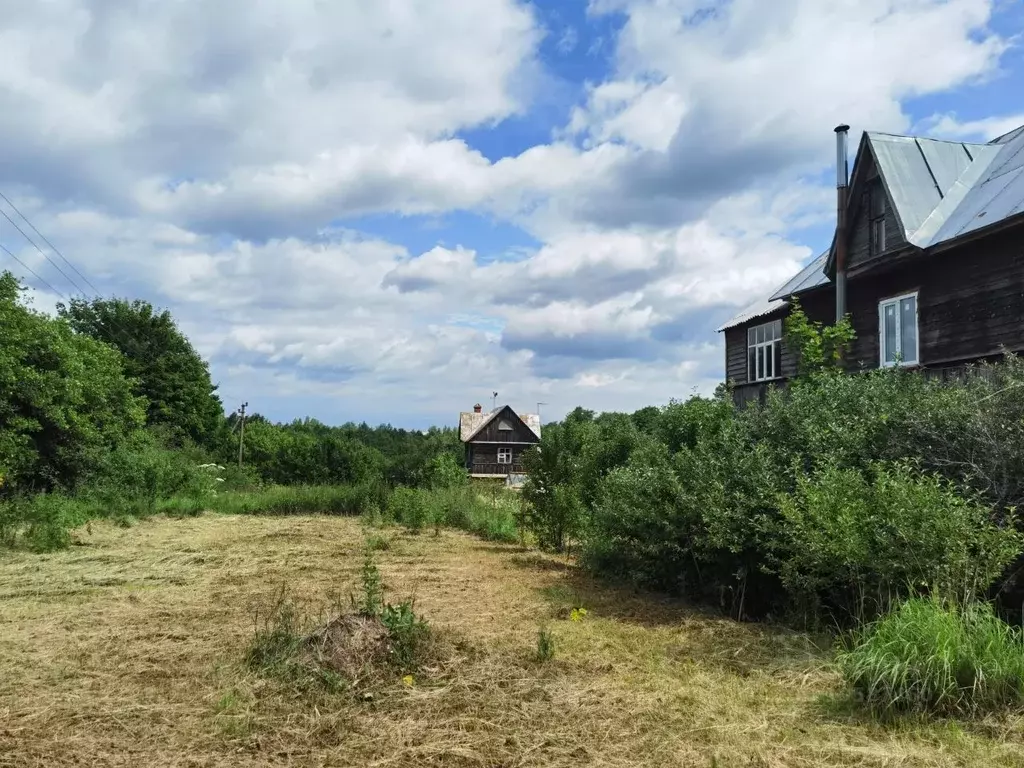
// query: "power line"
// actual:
[[51, 246], [36, 274], [43, 253], [126, 338]]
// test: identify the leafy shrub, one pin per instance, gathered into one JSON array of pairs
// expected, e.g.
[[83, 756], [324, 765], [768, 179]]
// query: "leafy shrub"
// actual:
[[642, 529], [856, 541], [409, 634], [372, 601], [556, 483], [409, 507], [445, 471], [139, 475], [935, 657], [41, 523]]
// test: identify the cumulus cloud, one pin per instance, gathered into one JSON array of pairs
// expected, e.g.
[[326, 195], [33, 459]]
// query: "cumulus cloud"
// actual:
[[755, 88], [948, 126], [201, 155]]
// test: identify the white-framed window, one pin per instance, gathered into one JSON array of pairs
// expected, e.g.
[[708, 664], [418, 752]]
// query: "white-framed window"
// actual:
[[504, 426], [504, 455], [764, 351], [897, 331]]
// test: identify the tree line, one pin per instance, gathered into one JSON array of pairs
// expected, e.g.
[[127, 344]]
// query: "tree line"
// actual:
[[108, 401]]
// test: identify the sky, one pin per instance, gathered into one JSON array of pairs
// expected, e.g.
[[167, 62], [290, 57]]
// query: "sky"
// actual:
[[386, 211]]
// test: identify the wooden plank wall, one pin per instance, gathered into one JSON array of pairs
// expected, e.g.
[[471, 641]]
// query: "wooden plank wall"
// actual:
[[970, 302]]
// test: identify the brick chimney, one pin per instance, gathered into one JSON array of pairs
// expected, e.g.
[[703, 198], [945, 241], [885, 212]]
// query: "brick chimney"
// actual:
[[478, 408]]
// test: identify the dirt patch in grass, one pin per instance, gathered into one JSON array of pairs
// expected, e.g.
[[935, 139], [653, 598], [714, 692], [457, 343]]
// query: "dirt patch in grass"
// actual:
[[119, 675]]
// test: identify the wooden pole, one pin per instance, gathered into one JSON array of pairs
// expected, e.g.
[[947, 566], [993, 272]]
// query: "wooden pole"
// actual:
[[241, 433]]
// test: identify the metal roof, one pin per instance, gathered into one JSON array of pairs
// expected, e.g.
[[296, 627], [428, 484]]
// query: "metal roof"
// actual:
[[995, 193], [809, 277], [759, 308], [940, 190], [944, 189], [918, 173]]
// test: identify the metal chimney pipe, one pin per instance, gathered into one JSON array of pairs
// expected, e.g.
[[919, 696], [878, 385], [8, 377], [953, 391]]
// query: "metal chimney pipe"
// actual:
[[842, 190]]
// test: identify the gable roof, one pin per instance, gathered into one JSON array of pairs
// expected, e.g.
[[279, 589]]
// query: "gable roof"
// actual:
[[928, 180], [940, 191], [809, 277], [472, 423]]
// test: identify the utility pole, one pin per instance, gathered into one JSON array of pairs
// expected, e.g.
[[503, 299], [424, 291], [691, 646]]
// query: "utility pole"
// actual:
[[538, 410], [241, 432], [494, 401]]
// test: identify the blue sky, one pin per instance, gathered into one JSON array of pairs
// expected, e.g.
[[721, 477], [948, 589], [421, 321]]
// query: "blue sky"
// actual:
[[365, 212]]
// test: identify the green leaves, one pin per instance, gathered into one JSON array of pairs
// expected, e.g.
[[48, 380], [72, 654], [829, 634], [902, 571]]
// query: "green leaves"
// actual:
[[169, 373], [64, 398], [817, 346], [858, 540]]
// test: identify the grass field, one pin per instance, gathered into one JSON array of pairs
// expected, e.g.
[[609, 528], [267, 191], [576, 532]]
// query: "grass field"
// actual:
[[127, 650]]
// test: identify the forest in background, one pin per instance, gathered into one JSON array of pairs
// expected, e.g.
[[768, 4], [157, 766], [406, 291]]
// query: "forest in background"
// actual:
[[107, 410]]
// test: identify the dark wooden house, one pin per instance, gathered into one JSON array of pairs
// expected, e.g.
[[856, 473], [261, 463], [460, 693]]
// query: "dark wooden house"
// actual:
[[495, 441], [927, 262]]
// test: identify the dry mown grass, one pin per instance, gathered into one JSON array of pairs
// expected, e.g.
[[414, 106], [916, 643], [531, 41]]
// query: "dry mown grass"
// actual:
[[127, 651]]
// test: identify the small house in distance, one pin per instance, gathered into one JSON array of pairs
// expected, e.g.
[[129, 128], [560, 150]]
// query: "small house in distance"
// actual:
[[496, 441]]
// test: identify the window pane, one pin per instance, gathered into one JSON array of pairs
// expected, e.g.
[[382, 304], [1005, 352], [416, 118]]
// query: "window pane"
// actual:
[[760, 334], [777, 328], [752, 364], [877, 199], [760, 363], [769, 359], [751, 333], [908, 329], [889, 348], [777, 359]]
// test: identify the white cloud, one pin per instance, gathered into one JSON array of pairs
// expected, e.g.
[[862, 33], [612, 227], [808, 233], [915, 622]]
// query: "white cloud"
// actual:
[[199, 155], [948, 126]]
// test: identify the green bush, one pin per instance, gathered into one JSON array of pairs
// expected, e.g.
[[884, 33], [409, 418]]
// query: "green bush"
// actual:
[[41, 523], [141, 477], [643, 529], [935, 657], [411, 507], [856, 542]]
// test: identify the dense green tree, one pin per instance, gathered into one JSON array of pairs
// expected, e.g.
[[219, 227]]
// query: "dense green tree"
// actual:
[[64, 398], [170, 374]]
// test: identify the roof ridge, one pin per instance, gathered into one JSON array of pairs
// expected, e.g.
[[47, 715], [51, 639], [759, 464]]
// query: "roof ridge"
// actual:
[[913, 137]]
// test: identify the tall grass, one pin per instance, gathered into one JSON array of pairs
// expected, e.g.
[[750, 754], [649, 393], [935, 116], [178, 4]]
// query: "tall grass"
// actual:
[[297, 500], [935, 657], [492, 517], [43, 522]]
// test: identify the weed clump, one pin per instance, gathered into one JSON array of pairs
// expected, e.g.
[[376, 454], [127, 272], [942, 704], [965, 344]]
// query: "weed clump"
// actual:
[[545, 645], [372, 642], [931, 657]]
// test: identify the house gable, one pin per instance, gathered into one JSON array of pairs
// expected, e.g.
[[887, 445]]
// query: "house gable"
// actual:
[[874, 226], [503, 426]]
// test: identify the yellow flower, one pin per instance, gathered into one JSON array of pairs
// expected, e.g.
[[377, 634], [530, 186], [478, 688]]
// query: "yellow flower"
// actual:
[[577, 614], [409, 681]]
